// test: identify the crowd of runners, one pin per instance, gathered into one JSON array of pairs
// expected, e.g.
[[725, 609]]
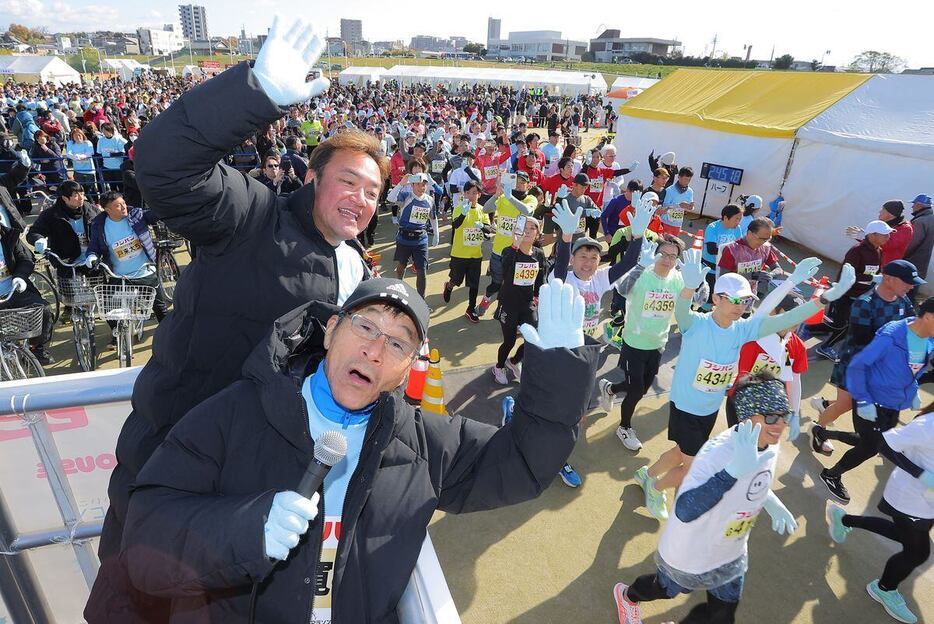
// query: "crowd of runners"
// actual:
[[496, 179]]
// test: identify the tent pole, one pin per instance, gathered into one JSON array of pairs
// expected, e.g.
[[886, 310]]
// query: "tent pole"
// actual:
[[791, 159]]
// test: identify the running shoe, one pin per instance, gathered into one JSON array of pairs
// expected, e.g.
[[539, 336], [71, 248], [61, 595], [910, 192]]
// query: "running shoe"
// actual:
[[833, 514], [395, 220], [499, 374], [656, 502], [892, 602], [483, 305], [819, 404], [446, 293], [617, 340], [609, 332], [515, 368], [826, 352], [628, 611], [835, 485], [508, 404], [471, 316], [570, 476], [819, 442], [627, 435], [606, 396]]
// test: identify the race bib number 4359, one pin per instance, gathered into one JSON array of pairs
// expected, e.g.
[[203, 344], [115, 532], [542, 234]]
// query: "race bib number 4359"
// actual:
[[658, 304], [712, 377]]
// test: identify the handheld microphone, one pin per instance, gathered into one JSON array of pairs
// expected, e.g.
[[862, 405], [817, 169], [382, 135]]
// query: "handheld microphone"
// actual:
[[330, 449]]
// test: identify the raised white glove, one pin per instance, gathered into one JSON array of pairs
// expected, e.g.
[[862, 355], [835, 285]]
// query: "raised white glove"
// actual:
[[594, 213], [41, 245], [847, 279], [508, 184], [19, 284], [562, 192], [805, 270], [560, 318], [692, 271], [746, 456], [782, 520], [647, 255], [633, 165], [287, 521], [856, 232], [283, 63], [565, 219], [644, 210]]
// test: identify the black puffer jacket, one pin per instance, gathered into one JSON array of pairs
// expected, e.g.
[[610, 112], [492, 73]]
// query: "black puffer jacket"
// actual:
[[194, 531], [53, 224]]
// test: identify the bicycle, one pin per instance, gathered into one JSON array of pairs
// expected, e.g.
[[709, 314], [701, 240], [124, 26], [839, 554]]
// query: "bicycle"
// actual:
[[77, 293], [166, 266], [129, 305], [17, 325], [42, 277]]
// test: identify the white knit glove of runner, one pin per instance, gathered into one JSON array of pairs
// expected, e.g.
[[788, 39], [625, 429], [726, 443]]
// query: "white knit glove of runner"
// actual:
[[805, 270], [644, 210], [843, 285], [289, 53], [565, 219], [560, 318], [692, 272], [647, 255]]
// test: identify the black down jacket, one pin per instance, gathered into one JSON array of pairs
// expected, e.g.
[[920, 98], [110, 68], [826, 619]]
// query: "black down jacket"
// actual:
[[194, 531]]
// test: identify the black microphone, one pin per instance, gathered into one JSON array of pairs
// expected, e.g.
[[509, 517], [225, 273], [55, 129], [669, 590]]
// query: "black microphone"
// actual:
[[330, 448]]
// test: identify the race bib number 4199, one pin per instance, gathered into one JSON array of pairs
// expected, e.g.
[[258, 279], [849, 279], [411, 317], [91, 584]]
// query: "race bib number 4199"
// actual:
[[712, 377]]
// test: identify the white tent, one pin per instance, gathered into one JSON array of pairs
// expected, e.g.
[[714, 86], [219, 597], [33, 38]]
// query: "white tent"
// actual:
[[360, 75], [49, 69], [875, 144], [632, 82], [555, 82], [126, 69]]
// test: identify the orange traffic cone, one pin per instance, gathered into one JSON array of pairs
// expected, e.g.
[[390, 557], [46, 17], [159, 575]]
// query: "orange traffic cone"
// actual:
[[417, 375], [433, 395], [819, 289], [698, 240]]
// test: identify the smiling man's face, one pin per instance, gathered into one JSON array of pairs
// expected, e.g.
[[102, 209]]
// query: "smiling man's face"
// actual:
[[346, 194]]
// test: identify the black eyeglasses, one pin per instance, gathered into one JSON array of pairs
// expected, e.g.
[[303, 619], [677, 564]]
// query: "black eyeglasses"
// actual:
[[397, 347], [773, 417]]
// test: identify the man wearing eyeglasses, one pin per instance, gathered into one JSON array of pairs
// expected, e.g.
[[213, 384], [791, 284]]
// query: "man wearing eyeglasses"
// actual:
[[214, 511], [752, 255]]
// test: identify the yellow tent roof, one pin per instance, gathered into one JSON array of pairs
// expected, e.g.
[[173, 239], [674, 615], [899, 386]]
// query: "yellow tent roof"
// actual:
[[757, 103]]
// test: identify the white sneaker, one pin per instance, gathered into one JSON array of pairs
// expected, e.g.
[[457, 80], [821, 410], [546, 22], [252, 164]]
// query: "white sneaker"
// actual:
[[499, 374], [628, 611], [628, 437], [515, 369], [606, 396]]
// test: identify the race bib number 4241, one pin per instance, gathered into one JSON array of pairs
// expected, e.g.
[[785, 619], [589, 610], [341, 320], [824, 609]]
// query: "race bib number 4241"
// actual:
[[712, 377]]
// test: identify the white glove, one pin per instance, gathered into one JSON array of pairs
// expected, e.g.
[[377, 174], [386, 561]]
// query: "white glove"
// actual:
[[565, 219], [283, 63], [794, 427], [41, 245], [782, 520], [287, 521], [19, 284], [507, 185], [847, 279], [91, 261], [633, 165], [746, 455], [647, 255], [805, 270], [560, 318], [594, 213], [435, 236], [692, 272], [24, 159], [562, 192], [644, 210], [856, 232]]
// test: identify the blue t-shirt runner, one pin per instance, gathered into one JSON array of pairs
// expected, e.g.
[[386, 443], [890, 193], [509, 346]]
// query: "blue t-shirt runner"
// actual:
[[127, 255]]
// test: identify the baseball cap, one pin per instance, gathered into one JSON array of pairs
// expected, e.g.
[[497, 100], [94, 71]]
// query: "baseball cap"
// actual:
[[392, 292], [668, 158], [903, 270], [754, 202], [924, 200], [582, 178], [878, 227], [650, 196], [733, 285], [523, 175], [585, 241], [768, 396], [894, 207], [418, 177]]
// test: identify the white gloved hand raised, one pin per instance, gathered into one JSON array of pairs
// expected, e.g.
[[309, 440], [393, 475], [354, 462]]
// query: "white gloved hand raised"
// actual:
[[805, 270], [633, 165], [562, 192], [692, 272], [647, 255], [644, 210], [560, 318], [746, 455], [565, 219], [846, 281], [283, 63]]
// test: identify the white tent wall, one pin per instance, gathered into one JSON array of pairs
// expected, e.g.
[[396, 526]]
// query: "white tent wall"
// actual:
[[763, 160], [556, 82], [360, 75], [633, 81]]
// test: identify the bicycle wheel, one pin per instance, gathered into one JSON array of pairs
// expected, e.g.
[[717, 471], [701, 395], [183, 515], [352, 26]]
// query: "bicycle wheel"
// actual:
[[82, 329], [6, 364], [167, 269], [25, 364], [49, 292], [124, 345]]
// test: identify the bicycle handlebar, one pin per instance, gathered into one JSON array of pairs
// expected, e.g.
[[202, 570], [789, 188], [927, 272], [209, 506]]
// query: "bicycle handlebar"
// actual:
[[136, 275], [4, 299], [63, 262], [39, 193]]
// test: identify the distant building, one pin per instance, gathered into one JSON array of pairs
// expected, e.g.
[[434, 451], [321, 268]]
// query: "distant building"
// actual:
[[801, 66], [609, 47], [539, 45], [922, 71], [159, 42], [335, 46], [386, 46], [64, 44], [351, 30], [492, 30], [194, 22]]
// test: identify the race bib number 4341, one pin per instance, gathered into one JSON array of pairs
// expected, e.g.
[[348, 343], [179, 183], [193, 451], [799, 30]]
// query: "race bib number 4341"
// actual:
[[712, 377]]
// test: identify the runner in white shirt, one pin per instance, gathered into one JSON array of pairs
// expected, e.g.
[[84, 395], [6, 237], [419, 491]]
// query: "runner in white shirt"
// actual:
[[704, 545]]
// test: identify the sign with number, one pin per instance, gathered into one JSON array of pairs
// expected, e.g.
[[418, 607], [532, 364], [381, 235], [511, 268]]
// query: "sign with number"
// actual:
[[419, 215], [739, 528], [765, 363], [525, 274], [713, 377], [473, 237], [722, 173], [505, 225], [437, 166], [658, 304]]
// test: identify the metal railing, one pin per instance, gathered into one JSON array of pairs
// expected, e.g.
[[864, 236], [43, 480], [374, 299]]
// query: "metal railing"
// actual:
[[427, 599]]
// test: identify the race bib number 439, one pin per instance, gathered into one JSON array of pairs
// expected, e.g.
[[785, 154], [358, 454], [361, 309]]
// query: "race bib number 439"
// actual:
[[525, 274], [658, 304], [712, 377]]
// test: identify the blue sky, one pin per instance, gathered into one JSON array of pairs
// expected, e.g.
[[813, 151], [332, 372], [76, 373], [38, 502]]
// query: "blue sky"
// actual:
[[803, 28]]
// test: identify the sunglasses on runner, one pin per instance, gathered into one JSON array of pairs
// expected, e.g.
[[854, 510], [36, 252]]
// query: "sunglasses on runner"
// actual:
[[774, 417], [745, 301]]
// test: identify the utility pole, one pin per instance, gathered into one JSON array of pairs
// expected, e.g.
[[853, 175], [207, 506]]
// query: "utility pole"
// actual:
[[772, 55], [714, 50], [748, 52]]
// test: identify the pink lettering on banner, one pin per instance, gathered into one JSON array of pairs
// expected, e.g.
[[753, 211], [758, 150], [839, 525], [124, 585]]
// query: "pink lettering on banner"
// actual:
[[87, 463], [13, 427]]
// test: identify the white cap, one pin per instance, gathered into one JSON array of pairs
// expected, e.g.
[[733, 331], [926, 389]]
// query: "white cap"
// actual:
[[878, 227], [754, 201], [733, 285], [668, 158], [650, 196]]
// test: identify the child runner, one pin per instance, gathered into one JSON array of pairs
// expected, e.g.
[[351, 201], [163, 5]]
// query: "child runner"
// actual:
[[704, 546], [470, 226], [909, 500], [707, 363]]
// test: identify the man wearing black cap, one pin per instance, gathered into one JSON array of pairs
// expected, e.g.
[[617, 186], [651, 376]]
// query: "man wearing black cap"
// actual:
[[919, 249], [214, 510], [892, 212]]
